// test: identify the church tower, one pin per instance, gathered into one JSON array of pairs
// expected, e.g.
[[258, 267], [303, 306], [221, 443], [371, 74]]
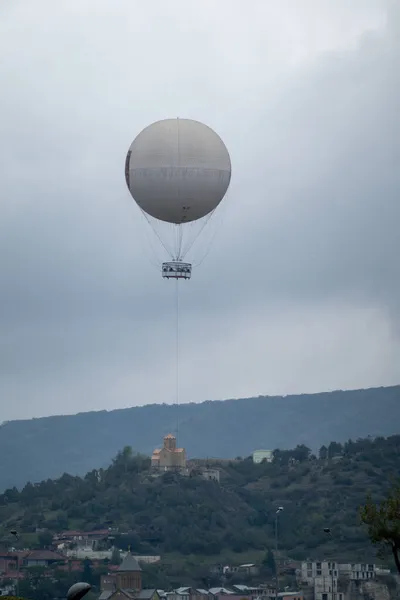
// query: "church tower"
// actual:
[[129, 574], [170, 442]]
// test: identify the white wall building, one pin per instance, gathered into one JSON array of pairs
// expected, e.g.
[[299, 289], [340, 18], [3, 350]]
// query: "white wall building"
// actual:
[[357, 571], [324, 575], [260, 455]]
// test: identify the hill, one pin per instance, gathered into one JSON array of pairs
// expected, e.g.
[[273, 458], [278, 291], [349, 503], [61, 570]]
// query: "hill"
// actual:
[[36, 449], [184, 516]]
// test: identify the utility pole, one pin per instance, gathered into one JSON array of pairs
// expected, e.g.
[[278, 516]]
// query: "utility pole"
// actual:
[[327, 530], [280, 509], [16, 536]]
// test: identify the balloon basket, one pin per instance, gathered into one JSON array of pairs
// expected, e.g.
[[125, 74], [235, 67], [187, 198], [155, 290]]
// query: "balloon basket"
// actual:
[[176, 270]]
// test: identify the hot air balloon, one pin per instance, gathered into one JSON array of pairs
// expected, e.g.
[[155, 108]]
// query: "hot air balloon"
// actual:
[[177, 171]]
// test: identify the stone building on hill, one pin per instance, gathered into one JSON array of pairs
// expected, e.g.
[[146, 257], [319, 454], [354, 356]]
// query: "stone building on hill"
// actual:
[[169, 457], [126, 583]]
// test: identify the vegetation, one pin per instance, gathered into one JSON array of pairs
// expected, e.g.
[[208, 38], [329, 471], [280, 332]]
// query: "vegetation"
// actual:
[[44, 584], [383, 522], [40, 448], [174, 515]]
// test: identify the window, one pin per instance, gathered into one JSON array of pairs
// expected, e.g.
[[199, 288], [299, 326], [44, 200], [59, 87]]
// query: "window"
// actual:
[[324, 596], [309, 574], [370, 567], [319, 572]]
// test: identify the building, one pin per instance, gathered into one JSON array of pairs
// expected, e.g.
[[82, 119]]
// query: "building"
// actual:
[[246, 569], [126, 583], [10, 562], [84, 539], [328, 570], [325, 577], [210, 474], [169, 457], [260, 455], [81, 552], [358, 571], [188, 593], [311, 570], [43, 558]]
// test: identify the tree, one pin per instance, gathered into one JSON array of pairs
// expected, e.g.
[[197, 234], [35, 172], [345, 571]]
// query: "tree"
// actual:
[[301, 453], [45, 538], [87, 574], [383, 522], [269, 561], [323, 453], [116, 557], [334, 449]]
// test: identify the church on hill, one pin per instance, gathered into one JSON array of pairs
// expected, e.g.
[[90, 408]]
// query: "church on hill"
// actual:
[[126, 583], [169, 457]]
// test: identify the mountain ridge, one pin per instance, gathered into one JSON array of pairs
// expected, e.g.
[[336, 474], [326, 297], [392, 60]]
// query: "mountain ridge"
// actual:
[[39, 448]]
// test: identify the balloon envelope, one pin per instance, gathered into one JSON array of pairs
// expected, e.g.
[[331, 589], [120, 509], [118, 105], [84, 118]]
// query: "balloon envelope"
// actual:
[[178, 170]]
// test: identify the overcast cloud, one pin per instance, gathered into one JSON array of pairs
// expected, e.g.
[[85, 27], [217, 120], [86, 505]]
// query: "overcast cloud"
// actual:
[[300, 291]]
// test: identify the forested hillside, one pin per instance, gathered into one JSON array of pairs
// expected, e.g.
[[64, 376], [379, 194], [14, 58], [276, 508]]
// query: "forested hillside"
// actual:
[[188, 515], [47, 447]]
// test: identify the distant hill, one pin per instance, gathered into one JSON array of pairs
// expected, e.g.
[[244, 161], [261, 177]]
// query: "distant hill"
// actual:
[[36, 449], [179, 517]]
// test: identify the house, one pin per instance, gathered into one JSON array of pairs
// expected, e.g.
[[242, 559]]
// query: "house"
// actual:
[[169, 457], [88, 539], [290, 595], [188, 593], [10, 561], [253, 592], [43, 558], [210, 474], [246, 569], [262, 455], [126, 583]]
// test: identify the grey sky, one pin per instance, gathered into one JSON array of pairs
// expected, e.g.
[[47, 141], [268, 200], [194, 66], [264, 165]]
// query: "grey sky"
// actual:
[[301, 289]]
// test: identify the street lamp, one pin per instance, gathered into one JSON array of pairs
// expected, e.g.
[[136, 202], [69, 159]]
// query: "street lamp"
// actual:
[[78, 591], [14, 533], [280, 509], [327, 531]]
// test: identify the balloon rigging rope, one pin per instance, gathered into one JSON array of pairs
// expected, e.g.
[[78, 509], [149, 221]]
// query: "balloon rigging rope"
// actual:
[[156, 232], [191, 244], [208, 249]]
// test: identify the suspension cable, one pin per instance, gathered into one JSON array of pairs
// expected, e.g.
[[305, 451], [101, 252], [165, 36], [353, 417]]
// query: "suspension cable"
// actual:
[[190, 245], [157, 234], [177, 357]]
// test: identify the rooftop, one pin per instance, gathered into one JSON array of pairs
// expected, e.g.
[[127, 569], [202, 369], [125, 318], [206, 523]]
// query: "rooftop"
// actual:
[[44, 555], [129, 564]]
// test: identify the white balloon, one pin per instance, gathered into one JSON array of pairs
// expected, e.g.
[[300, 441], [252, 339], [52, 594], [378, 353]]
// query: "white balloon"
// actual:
[[178, 170]]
